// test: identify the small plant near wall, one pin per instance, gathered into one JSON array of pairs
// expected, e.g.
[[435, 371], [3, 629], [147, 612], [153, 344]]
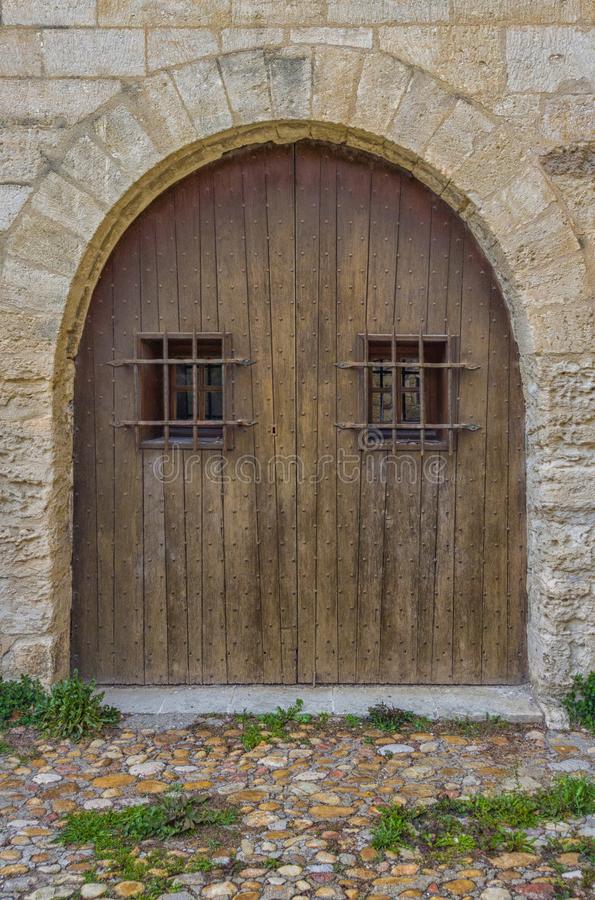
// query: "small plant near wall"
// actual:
[[260, 729], [579, 702], [18, 701], [392, 718], [71, 709]]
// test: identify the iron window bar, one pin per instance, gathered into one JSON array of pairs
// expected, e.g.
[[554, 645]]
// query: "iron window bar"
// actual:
[[206, 423], [361, 364], [422, 364], [180, 360], [408, 426]]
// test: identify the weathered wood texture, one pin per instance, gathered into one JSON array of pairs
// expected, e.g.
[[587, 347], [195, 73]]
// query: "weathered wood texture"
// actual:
[[311, 559]]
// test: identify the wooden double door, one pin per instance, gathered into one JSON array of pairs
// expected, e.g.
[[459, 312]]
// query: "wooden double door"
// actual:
[[289, 550]]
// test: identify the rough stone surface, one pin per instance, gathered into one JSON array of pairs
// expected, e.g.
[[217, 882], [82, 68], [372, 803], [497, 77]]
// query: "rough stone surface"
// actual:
[[175, 46], [471, 58], [104, 103], [20, 53], [109, 51], [48, 12], [12, 200]]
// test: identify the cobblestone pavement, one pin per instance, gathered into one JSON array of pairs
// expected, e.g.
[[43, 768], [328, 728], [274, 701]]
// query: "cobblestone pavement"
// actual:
[[307, 806]]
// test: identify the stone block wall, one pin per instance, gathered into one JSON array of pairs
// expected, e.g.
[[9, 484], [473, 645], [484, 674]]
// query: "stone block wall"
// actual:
[[103, 103]]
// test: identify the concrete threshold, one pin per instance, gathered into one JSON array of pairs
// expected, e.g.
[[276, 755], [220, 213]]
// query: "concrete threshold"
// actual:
[[514, 704]]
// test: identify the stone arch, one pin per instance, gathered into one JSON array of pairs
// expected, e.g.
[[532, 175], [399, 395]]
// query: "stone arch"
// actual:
[[163, 126]]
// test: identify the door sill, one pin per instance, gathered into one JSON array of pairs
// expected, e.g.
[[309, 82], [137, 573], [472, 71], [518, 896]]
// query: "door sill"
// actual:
[[513, 703]]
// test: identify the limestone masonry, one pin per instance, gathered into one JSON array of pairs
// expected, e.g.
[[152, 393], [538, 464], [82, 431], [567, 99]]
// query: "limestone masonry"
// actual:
[[104, 103]]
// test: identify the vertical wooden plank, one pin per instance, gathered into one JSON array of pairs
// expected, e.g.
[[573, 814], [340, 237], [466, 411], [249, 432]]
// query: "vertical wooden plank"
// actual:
[[104, 468], [327, 625], [174, 486], [84, 649], [353, 195], [174, 491], [444, 571], [214, 641], [282, 250], [380, 309], [401, 621], [167, 261], [188, 258], [154, 576], [259, 315], [517, 524], [307, 187], [434, 462], [209, 311], [187, 218], [242, 587], [495, 544], [155, 588], [214, 633], [128, 528], [469, 522]]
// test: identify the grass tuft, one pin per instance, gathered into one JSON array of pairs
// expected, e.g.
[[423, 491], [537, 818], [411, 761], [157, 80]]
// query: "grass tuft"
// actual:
[[18, 701], [115, 835], [174, 815], [260, 729], [71, 710], [579, 702], [487, 823], [391, 718]]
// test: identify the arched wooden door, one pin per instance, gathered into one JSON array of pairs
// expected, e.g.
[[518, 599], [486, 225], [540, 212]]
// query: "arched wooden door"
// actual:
[[298, 437]]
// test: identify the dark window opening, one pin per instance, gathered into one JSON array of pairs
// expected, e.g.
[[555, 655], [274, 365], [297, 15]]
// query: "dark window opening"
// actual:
[[182, 394], [406, 390]]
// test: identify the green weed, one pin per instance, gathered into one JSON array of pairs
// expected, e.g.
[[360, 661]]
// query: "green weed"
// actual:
[[570, 795], [394, 829], [579, 702], [19, 700], [567, 796], [129, 867], [200, 864], [461, 843], [73, 709], [584, 846], [276, 722], [352, 721], [391, 718], [485, 823], [115, 835], [252, 737], [512, 841], [175, 814], [471, 728]]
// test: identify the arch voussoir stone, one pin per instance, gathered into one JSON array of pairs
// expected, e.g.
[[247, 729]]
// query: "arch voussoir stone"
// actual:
[[165, 125]]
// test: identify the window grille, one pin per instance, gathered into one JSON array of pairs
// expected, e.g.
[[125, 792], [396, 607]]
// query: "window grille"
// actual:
[[408, 391], [183, 390]]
